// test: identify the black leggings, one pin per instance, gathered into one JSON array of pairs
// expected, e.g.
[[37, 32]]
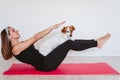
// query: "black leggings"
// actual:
[[54, 58]]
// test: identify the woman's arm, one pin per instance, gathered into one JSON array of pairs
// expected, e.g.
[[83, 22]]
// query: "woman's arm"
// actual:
[[23, 45], [43, 33]]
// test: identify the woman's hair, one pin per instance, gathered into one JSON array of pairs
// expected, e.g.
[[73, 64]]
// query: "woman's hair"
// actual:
[[6, 48]]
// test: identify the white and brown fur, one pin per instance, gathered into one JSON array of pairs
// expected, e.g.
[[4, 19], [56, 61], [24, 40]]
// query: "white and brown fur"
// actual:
[[68, 30], [53, 41]]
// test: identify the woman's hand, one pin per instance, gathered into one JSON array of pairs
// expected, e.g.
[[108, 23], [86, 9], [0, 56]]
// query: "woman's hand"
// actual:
[[57, 25]]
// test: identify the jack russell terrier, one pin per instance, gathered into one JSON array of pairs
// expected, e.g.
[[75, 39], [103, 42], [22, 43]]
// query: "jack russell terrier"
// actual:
[[52, 42]]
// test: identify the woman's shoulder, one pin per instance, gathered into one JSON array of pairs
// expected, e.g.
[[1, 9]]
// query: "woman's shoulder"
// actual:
[[17, 49]]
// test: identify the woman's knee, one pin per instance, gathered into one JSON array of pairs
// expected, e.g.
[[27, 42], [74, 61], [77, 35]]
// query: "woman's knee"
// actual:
[[69, 41]]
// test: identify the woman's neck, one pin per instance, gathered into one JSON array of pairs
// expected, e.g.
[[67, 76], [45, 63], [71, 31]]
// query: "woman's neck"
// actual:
[[14, 42]]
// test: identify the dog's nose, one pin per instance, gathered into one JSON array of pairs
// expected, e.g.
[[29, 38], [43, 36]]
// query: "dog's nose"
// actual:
[[67, 31], [70, 35]]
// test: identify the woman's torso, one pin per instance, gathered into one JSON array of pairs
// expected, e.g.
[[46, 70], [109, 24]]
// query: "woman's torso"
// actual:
[[30, 56]]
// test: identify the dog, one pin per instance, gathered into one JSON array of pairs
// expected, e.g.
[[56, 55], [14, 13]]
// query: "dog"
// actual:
[[53, 41]]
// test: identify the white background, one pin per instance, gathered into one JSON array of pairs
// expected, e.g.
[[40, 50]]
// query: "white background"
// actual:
[[92, 18]]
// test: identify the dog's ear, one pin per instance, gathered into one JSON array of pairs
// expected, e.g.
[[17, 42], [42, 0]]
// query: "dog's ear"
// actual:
[[73, 27], [63, 30]]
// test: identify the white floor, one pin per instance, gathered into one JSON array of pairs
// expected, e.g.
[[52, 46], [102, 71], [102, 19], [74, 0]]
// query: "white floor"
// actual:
[[111, 60]]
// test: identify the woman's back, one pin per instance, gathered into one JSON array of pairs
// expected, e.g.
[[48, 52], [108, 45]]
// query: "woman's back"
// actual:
[[30, 56]]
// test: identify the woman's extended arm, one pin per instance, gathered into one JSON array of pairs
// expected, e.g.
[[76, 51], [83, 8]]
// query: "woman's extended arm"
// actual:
[[23, 45], [43, 33]]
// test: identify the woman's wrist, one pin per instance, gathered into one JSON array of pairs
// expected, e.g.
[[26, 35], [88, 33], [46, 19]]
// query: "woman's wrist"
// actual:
[[56, 25]]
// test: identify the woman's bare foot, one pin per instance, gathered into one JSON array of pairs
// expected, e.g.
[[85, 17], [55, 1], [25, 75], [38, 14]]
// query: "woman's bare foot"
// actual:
[[102, 40]]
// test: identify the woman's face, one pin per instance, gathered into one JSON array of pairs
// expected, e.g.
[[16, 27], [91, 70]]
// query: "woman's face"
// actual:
[[14, 34]]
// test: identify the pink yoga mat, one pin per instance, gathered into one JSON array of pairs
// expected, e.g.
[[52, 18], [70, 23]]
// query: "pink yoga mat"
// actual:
[[63, 69]]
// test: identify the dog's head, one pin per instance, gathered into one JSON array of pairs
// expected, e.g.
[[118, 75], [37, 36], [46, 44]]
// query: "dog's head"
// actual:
[[68, 30]]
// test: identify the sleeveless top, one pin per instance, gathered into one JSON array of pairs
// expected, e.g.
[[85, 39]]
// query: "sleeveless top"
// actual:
[[31, 56]]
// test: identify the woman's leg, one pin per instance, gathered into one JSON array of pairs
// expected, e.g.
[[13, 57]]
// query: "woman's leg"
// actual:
[[53, 60]]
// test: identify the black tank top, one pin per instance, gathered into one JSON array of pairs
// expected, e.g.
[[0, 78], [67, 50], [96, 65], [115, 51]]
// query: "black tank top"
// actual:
[[30, 56]]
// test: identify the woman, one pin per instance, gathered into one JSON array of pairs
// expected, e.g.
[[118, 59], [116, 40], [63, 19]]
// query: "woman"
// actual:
[[25, 51]]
